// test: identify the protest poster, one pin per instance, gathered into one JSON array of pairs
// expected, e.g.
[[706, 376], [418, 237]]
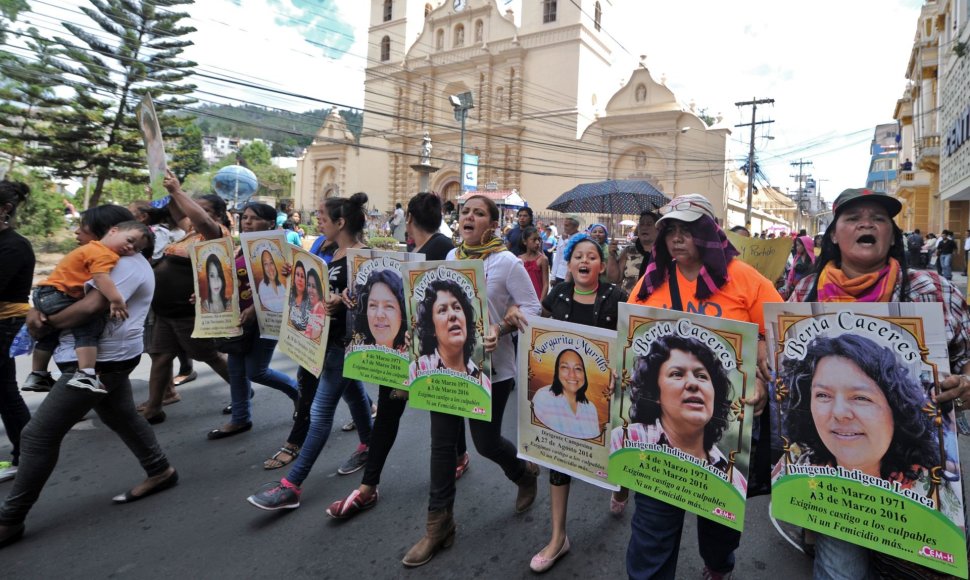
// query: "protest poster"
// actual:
[[448, 315], [377, 351], [266, 252], [151, 134], [564, 404], [303, 332], [680, 431], [216, 292], [768, 257], [866, 455]]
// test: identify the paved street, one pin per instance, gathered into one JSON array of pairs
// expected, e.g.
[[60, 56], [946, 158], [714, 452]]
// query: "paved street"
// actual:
[[204, 528]]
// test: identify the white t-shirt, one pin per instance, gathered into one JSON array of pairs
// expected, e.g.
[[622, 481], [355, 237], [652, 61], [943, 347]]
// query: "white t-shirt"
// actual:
[[272, 300], [507, 283], [121, 340]]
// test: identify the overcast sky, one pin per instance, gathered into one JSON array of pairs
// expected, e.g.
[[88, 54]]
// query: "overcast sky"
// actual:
[[834, 68]]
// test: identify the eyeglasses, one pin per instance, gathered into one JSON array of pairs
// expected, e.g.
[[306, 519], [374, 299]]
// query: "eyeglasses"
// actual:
[[682, 206]]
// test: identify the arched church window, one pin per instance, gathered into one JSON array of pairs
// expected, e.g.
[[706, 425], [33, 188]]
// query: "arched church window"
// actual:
[[386, 49]]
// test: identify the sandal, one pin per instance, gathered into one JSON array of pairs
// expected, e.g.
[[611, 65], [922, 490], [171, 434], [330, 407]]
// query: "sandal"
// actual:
[[462, 466], [275, 462]]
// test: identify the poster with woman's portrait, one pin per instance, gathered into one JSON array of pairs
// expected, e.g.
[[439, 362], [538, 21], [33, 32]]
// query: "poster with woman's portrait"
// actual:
[[378, 351], [866, 455], [216, 293], [303, 332], [448, 317], [266, 253], [151, 133], [681, 433], [565, 385]]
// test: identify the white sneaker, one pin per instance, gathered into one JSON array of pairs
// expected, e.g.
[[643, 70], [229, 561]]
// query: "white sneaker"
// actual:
[[86, 382], [7, 470]]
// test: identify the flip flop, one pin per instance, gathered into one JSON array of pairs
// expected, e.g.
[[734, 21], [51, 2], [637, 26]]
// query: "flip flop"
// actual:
[[182, 379]]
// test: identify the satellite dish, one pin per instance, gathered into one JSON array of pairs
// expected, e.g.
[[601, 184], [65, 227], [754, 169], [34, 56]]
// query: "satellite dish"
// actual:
[[235, 184]]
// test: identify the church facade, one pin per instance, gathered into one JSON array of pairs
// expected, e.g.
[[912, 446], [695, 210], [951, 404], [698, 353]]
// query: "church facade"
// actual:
[[550, 111]]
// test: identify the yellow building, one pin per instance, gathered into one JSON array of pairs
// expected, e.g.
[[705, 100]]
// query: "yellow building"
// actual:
[[549, 109], [771, 210], [919, 115]]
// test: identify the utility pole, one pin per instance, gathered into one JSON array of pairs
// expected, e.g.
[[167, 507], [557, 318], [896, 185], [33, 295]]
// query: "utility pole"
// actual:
[[754, 111], [798, 193]]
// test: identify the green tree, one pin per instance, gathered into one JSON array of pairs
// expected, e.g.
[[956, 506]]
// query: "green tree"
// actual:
[[9, 9], [142, 56], [187, 156], [27, 96], [43, 212], [255, 154]]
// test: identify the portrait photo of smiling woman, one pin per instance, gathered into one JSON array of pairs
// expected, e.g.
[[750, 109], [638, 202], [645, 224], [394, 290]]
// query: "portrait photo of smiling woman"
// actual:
[[564, 405], [854, 405]]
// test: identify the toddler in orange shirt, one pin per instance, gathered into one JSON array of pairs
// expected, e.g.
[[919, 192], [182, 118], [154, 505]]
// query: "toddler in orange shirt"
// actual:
[[65, 286]]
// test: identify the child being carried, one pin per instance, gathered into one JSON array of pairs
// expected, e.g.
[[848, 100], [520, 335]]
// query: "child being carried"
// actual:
[[65, 286]]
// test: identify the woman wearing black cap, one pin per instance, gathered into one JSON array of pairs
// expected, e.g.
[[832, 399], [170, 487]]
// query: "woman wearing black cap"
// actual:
[[863, 259]]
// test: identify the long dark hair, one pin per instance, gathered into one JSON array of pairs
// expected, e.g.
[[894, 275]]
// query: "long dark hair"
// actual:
[[312, 275], [262, 266], [914, 437], [396, 285], [645, 391], [556, 386], [298, 266], [212, 260], [426, 335]]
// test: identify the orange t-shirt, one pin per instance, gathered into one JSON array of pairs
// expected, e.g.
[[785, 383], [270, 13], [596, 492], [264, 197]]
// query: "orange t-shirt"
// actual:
[[741, 298], [76, 268]]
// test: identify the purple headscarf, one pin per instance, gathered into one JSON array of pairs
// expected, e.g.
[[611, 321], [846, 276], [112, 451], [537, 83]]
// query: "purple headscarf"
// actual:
[[716, 252]]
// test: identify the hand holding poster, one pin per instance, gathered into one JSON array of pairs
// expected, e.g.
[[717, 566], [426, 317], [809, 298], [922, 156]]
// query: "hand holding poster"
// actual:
[[564, 403], [303, 334], [448, 312], [866, 455], [151, 134], [216, 293], [266, 252], [377, 352], [680, 431], [766, 256]]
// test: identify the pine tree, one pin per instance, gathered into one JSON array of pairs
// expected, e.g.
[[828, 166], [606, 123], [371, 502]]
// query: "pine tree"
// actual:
[[28, 100], [141, 56], [187, 156]]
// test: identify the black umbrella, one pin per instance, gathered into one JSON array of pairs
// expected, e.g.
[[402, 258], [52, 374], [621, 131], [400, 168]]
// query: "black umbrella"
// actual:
[[613, 196]]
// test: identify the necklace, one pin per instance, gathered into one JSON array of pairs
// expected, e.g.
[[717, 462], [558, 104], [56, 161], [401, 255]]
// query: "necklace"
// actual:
[[585, 292]]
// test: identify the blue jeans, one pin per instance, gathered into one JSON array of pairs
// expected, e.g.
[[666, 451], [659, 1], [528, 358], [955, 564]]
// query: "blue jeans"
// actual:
[[13, 410], [254, 366], [50, 300], [655, 541], [946, 266], [839, 560], [332, 387]]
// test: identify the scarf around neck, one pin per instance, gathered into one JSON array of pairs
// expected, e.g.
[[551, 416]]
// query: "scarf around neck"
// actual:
[[835, 286], [466, 251], [716, 253]]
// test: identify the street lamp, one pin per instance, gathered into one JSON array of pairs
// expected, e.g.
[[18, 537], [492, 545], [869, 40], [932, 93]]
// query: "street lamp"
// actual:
[[462, 103]]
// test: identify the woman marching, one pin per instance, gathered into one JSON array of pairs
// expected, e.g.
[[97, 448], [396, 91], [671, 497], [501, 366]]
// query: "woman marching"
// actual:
[[381, 313], [251, 362], [507, 285], [694, 269], [863, 259], [581, 300], [342, 220]]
